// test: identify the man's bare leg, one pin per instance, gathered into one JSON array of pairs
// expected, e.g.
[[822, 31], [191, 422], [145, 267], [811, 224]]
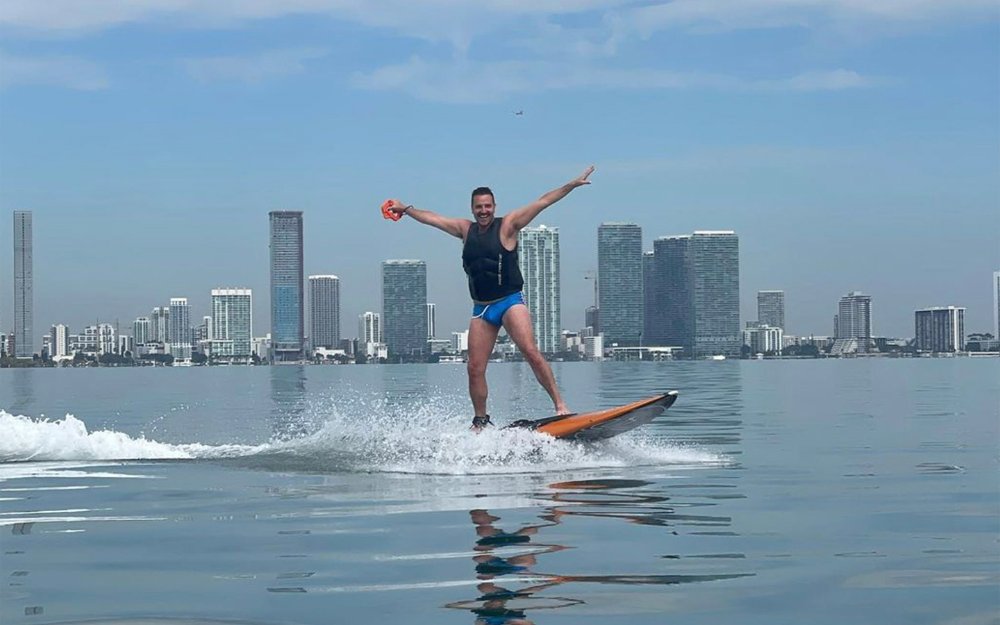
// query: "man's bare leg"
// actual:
[[517, 322], [482, 338]]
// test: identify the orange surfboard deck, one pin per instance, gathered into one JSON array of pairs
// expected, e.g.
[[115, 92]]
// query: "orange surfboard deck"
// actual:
[[599, 424]]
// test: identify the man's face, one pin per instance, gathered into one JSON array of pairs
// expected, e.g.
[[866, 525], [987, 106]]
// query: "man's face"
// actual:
[[483, 208]]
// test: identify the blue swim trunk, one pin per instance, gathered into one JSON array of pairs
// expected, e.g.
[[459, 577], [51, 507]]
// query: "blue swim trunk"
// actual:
[[494, 311]]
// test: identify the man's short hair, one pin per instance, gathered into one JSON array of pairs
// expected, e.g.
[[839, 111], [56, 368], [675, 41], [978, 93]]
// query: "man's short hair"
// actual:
[[482, 191]]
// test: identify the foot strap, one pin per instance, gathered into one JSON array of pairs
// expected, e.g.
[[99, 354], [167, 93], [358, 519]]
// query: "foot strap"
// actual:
[[481, 422]]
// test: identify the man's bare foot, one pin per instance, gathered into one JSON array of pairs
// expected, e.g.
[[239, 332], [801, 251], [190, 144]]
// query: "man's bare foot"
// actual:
[[562, 410]]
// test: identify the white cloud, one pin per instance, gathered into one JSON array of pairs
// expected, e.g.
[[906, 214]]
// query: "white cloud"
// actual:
[[466, 82], [252, 69], [723, 15], [55, 71]]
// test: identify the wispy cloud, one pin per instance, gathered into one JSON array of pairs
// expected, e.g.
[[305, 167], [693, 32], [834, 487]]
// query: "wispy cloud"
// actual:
[[723, 15], [468, 82], [55, 71], [252, 69]]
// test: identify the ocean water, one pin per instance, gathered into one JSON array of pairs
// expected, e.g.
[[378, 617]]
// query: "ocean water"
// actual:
[[817, 491]]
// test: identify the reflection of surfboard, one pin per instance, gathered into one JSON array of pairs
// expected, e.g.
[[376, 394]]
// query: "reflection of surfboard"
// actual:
[[592, 426]]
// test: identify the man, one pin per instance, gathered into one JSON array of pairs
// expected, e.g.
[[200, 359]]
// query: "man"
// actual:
[[489, 256]]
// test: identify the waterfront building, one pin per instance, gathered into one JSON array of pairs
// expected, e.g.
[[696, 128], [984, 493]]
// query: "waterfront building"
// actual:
[[460, 341], [95, 340], [59, 341], [231, 325], [763, 339], [324, 311], [431, 321], [853, 323], [593, 347], [996, 304], [179, 331], [771, 308], [142, 330], [619, 276], [404, 309], [369, 327], [671, 302], [940, 329], [538, 254], [715, 293], [159, 329], [287, 297], [24, 285], [126, 345], [649, 310]]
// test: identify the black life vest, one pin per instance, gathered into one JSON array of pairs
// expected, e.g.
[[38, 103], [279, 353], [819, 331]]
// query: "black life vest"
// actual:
[[494, 272]]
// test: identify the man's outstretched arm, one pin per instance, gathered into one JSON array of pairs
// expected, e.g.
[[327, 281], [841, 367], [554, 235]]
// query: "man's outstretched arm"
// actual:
[[454, 226], [521, 217]]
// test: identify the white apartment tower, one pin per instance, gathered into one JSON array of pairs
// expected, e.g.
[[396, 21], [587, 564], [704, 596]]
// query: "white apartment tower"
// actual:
[[232, 324], [538, 252], [59, 341], [431, 321]]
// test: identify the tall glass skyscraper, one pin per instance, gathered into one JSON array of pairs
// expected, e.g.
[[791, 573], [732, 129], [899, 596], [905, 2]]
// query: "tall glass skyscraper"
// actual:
[[404, 309], [232, 323], [24, 286], [715, 293], [673, 311], [538, 253], [324, 311], [648, 299], [771, 308], [287, 301], [619, 277], [996, 304]]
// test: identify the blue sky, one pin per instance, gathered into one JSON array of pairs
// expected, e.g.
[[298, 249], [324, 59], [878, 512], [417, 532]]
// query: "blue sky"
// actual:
[[853, 145]]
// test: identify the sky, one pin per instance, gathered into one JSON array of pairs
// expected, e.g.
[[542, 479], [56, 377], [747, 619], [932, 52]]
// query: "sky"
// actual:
[[852, 145]]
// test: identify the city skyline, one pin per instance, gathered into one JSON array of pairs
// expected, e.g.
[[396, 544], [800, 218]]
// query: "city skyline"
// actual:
[[128, 130]]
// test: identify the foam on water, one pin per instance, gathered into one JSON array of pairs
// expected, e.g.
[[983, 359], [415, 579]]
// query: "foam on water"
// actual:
[[23, 438], [429, 438]]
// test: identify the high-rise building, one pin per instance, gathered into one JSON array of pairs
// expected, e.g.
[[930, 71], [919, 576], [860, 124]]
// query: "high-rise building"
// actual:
[[996, 304], [59, 341], [179, 334], [159, 330], [232, 324], [771, 308], [24, 289], [369, 328], [287, 301], [649, 311], [404, 309], [431, 321], [538, 254], [141, 330], [619, 270], [940, 329], [673, 311], [715, 292], [854, 319], [324, 311]]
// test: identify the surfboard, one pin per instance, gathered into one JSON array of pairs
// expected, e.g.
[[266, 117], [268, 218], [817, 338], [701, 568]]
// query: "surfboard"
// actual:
[[600, 424]]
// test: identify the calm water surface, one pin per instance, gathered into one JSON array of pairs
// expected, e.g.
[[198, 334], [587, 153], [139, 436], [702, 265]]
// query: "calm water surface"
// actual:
[[840, 491]]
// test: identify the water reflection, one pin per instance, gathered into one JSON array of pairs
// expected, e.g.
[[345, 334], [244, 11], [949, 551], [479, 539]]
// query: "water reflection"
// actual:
[[22, 390], [517, 556], [288, 401]]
